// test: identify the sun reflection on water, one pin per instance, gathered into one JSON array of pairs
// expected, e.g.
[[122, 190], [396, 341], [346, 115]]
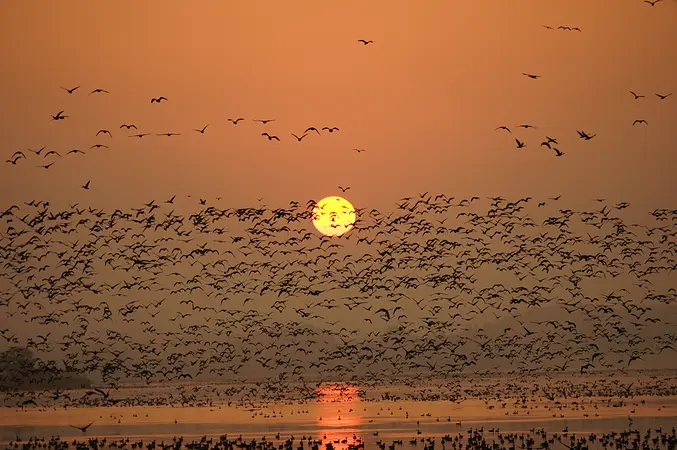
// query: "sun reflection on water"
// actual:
[[339, 415]]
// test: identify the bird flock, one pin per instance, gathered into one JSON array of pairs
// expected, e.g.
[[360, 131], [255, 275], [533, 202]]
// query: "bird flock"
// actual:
[[176, 291], [474, 438], [436, 288], [551, 142], [43, 153]]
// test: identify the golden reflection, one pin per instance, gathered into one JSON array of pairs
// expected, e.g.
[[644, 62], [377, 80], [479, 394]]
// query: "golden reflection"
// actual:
[[339, 415]]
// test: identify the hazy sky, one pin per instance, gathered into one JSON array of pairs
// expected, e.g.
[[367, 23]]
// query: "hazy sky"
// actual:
[[423, 99]]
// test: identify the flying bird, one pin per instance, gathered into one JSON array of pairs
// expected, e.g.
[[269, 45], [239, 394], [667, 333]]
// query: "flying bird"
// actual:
[[60, 116], [169, 134], [157, 100], [140, 135], [359, 150], [584, 135], [331, 130], [636, 95], [663, 97], [86, 185], [70, 91], [236, 120], [365, 42], [99, 91], [530, 75], [343, 189], [202, 131], [520, 144], [640, 121], [503, 127], [83, 429], [385, 312], [299, 138], [263, 121], [104, 132], [270, 137], [652, 2], [124, 125], [16, 157]]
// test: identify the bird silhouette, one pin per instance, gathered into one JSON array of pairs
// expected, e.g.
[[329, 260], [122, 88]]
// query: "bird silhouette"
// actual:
[[270, 137], [584, 135], [71, 90], [59, 116], [83, 428]]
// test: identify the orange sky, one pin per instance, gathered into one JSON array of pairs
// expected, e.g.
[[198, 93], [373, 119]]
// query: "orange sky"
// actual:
[[423, 100]]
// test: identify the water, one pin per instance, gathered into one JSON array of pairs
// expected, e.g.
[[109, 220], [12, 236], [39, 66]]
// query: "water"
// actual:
[[339, 418]]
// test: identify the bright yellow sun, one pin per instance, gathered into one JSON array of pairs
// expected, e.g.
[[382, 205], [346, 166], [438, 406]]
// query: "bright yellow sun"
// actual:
[[333, 216]]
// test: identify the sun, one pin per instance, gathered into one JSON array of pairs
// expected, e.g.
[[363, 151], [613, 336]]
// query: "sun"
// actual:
[[334, 216]]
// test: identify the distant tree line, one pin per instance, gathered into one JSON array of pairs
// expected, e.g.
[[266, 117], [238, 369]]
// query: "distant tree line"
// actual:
[[20, 371]]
